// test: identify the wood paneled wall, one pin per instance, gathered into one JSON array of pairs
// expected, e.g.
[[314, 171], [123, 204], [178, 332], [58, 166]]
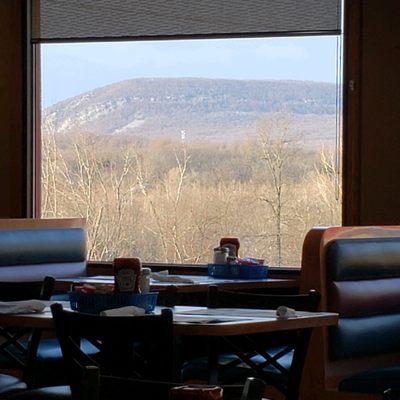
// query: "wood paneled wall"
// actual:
[[12, 116], [372, 120]]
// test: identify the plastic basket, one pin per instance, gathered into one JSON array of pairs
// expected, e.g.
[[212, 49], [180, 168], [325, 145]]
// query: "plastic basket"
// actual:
[[223, 271], [95, 303]]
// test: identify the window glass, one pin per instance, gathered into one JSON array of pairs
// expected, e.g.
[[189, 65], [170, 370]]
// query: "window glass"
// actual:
[[165, 147]]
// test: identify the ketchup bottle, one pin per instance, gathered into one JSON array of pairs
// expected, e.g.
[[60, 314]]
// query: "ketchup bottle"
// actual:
[[233, 245], [126, 274]]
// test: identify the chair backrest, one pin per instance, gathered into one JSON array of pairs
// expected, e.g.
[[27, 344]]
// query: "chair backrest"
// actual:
[[141, 347], [31, 249], [15, 291], [89, 383], [357, 271], [254, 389]]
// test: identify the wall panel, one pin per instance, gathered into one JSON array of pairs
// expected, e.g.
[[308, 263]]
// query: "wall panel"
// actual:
[[380, 119], [372, 121], [12, 137]]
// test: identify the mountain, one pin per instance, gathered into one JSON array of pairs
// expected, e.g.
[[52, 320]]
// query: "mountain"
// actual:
[[216, 108]]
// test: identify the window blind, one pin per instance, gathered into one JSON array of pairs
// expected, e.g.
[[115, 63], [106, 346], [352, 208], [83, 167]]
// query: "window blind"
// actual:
[[80, 20]]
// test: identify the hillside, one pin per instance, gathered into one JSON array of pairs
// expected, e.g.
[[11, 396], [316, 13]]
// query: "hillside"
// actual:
[[216, 108]]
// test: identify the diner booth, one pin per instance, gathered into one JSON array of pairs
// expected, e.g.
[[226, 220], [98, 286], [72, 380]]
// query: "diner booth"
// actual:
[[77, 328]]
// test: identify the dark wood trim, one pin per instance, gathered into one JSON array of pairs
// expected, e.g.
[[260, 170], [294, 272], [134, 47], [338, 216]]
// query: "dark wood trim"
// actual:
[[27, 184], [187, 37], [30, 110], [37, 132], [105, 268], [352, 82], [12, 111]]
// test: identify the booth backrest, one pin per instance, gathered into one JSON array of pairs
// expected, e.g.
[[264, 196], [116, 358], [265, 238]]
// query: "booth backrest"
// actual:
[[357, 272], [31, 249], [363, 281]]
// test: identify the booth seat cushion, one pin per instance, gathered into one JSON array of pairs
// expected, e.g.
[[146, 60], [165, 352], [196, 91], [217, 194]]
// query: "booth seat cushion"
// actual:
[[45, 393], [357, 337], [363, 277], [197, 369], [363, 259], [49, 350], [49, 368], [10, 384], [31, 254], [373, 381]]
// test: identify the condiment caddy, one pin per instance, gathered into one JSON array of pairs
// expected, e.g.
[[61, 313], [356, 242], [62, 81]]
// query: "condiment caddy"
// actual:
[[131, 288], [228, 265]]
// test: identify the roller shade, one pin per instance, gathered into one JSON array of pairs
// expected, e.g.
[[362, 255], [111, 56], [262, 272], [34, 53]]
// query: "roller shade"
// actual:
[[79, 20]]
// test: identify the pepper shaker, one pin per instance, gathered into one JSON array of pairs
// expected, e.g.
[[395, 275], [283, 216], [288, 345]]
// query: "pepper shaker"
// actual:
[[220, 255]]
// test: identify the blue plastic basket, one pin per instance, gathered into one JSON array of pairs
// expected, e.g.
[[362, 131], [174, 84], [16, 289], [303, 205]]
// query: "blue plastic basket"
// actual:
[[223, 271], [95, 303]]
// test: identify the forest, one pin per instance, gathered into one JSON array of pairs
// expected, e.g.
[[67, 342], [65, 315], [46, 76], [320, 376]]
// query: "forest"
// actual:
[[167, 199]]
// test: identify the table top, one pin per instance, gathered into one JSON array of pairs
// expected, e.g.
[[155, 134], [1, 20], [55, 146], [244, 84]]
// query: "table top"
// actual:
[[200, 283], [202, 321]]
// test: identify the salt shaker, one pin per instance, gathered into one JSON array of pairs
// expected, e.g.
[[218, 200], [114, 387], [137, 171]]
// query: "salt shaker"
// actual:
[[144, 283], [220, 255]]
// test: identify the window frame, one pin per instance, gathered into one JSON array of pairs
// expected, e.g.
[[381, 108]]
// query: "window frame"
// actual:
[[349, 171]]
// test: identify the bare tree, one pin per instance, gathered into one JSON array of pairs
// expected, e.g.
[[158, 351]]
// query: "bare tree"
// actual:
[[169, 200], [274, 133]]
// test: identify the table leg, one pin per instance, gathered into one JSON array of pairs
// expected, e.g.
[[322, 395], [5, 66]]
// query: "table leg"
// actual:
[[213, 356]]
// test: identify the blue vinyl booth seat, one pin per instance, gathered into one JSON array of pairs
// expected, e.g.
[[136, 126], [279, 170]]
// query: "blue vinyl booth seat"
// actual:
[[32, 254], [198, 369], [28, 255], [363, 286]]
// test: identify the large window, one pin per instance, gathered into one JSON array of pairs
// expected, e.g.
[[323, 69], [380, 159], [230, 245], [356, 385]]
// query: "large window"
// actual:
[[165, 147]]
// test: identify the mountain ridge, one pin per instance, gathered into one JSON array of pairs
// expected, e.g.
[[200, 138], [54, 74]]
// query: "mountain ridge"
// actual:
[[198, 106]]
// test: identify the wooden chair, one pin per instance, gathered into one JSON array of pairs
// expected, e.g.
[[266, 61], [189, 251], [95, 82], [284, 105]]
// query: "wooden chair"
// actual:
[[16, 351], [140, 348], [277, 359], [129, 346], [254, 389], [391, 394], [357, 272]]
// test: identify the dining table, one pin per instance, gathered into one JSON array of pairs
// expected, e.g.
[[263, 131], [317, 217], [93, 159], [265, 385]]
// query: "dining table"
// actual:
[[211, 323], [200, 321], [188, 283]]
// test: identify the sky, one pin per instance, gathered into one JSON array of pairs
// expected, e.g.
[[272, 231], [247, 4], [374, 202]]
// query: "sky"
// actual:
[[72, 69]]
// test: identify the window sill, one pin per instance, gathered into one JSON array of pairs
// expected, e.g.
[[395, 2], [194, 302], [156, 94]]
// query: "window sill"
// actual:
[[105, 268]]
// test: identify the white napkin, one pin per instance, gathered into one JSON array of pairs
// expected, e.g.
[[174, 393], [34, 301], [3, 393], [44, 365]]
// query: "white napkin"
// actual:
[[283, 312], [164, 276], [128, 311], [22, 307]]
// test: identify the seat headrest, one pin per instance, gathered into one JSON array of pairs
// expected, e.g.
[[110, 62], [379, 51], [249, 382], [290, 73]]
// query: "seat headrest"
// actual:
[[361, 259], [42, 246]]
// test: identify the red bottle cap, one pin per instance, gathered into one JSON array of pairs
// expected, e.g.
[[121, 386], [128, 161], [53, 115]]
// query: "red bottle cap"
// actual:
[[231, 240]]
